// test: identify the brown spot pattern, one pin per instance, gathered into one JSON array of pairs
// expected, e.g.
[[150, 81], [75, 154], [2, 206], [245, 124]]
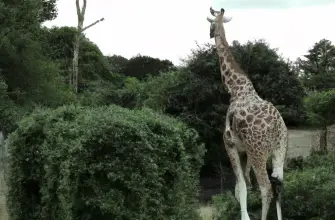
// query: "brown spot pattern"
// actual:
[[257, 122], [249, 118]]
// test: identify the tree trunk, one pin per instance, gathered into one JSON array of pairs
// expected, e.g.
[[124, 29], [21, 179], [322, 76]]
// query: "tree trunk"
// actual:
[[74, 74], [75, 68], [323, 139]]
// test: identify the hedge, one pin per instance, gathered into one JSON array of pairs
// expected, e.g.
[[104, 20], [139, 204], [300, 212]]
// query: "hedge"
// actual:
[[308, 194], [81, 163]]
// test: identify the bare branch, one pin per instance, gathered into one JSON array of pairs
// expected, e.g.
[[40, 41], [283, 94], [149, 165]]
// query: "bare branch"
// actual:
[[78, 9], [83, 10], [94, 23], [81, 13]]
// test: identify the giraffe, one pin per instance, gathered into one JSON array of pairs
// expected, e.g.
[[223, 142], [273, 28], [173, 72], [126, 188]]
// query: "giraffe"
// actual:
[[252, 125]]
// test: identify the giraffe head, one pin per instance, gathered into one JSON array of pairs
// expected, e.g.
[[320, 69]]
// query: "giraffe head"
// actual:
[[216, 22]]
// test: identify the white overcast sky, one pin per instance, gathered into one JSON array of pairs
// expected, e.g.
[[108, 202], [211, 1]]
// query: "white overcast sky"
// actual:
[[168, 29]]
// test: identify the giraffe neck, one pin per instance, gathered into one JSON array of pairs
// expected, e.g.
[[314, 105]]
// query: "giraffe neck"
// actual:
[[236, 81]]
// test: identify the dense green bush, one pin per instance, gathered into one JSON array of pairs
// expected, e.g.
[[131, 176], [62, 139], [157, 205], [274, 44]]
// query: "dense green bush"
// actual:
[[308, 194], [103, 163]]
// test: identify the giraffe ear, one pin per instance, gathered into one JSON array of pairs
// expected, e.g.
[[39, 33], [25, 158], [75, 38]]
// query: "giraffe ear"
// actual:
[[226, 19]]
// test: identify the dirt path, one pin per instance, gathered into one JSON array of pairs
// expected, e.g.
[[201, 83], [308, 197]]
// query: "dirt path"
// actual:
[[3, 189]]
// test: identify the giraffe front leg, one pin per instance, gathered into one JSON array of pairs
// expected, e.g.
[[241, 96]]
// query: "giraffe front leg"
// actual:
[[241, 187]]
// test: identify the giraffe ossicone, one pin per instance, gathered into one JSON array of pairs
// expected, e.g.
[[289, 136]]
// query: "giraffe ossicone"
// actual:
[[252, 125]]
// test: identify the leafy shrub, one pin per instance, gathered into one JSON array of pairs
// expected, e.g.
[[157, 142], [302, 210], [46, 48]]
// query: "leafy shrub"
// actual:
[[103, 163], [308, 194]]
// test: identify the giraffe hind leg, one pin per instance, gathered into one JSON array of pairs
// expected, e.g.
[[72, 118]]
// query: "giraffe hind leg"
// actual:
[[241, 187]]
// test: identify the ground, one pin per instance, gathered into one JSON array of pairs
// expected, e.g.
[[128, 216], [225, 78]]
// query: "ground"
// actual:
[[3, 209]]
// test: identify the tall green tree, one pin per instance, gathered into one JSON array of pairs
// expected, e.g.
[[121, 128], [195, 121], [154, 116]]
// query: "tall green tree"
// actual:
[[317, 67]]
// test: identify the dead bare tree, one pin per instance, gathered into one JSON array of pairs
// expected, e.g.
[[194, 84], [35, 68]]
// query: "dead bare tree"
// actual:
[[80, 29]]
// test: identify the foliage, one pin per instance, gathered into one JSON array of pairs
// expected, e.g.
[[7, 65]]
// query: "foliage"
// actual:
[[30, 76], [317, 68], [321, 107], [103, 163], [314, 185], [93, 65], [118, 63], [9, 112], [140, 66], [39, 10], [49, 11], [180, 94]]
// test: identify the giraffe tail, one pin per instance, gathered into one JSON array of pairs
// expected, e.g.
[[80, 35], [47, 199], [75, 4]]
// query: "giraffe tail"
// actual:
[[277, 188]]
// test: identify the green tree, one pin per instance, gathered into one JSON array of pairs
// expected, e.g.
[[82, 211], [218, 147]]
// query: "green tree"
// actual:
[[320, 108], [39, 10], [118, 63], [27, 78], [141, 66], [317, 68], [30, 77], [93, 65], [49, 11]]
